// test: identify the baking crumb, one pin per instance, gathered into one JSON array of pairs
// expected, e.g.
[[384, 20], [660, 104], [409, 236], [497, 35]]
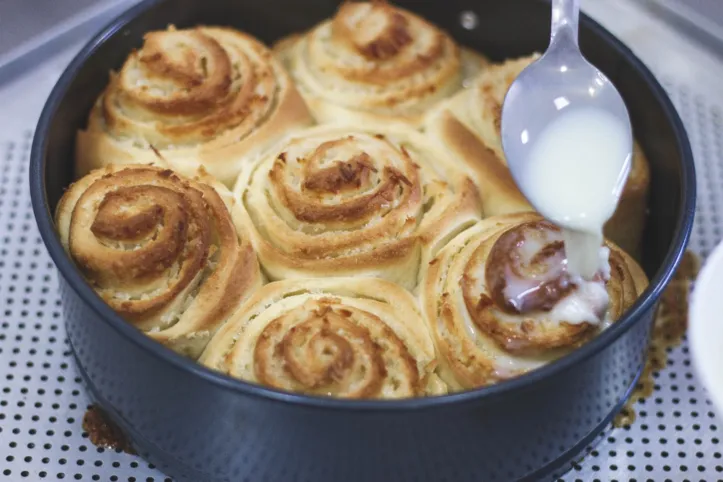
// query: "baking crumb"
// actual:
[[102, 432]]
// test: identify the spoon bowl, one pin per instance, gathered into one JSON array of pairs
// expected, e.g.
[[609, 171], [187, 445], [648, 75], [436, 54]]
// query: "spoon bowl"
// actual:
[[559, 82]]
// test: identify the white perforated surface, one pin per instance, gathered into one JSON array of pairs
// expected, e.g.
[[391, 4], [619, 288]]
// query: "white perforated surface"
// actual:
[[675, 437]]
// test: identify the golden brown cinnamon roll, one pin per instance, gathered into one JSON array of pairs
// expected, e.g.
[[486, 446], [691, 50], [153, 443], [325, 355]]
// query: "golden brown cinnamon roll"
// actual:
[[499, 301], [338, 337], [206, 96], [375, 61], [161, 250], [469, 126], [353, 201]]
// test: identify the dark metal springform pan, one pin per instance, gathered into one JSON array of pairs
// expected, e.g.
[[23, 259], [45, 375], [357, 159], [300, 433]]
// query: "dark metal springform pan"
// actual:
[[200, 426]]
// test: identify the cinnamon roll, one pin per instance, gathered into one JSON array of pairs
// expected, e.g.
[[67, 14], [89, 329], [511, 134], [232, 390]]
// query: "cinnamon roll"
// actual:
[[203, 97], [469, 126], [337, 337], [353, 201], [499, 300], [375, 61], [161, 250]]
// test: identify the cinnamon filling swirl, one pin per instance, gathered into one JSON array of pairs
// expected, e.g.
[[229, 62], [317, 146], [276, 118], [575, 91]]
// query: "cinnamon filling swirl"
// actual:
[[330, 349], [375, 61], [525, 275], [150, 239], [338, 337], [203, 98], [394, 43], [188, 86], [500, 302], [347, 200], [160, 249], [380, 33]]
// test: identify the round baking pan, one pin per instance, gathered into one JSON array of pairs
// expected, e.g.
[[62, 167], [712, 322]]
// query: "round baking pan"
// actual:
[[201, 426]]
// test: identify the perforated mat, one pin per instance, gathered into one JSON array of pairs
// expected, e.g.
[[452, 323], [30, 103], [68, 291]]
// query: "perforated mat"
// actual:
[[675, 437]]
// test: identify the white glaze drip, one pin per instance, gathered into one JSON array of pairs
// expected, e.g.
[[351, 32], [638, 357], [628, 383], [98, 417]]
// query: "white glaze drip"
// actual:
[[574, 176]]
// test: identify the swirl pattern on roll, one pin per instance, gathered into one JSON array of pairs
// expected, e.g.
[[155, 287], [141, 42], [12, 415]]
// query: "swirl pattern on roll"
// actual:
[[343, 201], [337, 337], [375, 61], [160, 250], [469, 125], [499, 301], [204, 97]]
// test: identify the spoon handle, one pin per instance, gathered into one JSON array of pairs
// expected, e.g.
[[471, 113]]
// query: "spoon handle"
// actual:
[[565, 16]]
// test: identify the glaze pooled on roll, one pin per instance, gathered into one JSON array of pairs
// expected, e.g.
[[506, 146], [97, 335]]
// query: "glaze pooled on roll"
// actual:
[[528, 270], [161, 250], [206, 97], [337, 337], [374, 61], [353, 201], [500, 302]]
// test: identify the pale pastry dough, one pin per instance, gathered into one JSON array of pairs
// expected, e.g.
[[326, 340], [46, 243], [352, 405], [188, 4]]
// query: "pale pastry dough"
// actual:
[[205, 97], [353, 201], [481, 335], [374, 61], [337, 337], [161, 250]]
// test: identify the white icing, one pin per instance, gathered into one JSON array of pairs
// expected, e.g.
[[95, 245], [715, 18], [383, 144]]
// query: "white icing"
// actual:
[[586, 304], [517, 288], [582, 252], [604, 260], [574, 176]]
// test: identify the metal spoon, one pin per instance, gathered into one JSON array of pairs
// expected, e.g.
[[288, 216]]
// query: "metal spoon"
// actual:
[[559, 81]]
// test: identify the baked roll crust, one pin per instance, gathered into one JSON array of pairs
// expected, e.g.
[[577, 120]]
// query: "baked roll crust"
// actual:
[[469, 126], [160, 250], [375, 61], [338, 337], [499, 301], [353, 201], [206, 97]]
